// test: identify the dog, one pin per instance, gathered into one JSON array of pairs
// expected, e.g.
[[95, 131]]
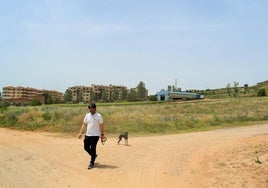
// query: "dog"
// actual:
[[125, 136]]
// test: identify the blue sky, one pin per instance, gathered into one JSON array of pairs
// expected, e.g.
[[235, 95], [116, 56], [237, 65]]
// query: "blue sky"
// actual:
[[204, 44]]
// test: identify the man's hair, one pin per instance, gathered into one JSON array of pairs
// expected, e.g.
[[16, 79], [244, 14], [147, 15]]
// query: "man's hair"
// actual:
[[92, 105]]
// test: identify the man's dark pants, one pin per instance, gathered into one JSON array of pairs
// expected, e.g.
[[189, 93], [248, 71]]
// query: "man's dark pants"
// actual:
[[90, 144]]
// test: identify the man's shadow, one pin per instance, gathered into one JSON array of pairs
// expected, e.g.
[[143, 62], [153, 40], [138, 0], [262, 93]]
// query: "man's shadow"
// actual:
[[124, 145], [104, 166]]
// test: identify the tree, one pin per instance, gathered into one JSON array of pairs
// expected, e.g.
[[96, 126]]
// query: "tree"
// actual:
[[132, 95], [228, 89], [93, 96], [245, 88], [115, 95], [104, 96], [48, 98], [68, 95], [124, 93], [80, 96], [236, 88], [141, 93]]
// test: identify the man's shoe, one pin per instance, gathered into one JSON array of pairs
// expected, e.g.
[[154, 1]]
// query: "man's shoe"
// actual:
[[90, 166]]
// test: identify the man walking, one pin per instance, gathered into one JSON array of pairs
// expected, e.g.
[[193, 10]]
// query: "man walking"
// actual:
[[95, 128]]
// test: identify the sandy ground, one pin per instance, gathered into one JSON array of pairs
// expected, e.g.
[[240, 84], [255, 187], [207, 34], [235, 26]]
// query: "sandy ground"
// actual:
[[236, 157]]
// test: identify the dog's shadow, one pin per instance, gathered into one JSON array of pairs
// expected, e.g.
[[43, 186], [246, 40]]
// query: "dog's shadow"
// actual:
[[105, 166]]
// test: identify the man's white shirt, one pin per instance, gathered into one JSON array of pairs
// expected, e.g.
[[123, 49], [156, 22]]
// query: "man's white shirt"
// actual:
[[93, 124]]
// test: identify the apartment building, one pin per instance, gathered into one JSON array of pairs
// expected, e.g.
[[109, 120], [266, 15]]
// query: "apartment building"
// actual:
[[97, 93], [77, 90], [24, 94]]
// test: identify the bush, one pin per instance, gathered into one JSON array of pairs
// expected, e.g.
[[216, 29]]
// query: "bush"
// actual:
[[261, 92], [4, 104], [47, 116], [153, 98], [36, 102]]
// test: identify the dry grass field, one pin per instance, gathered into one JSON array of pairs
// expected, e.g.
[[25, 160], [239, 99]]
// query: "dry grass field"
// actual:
[[142, 118]]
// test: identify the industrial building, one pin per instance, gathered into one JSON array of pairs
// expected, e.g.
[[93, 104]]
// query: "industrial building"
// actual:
[[164, 95]]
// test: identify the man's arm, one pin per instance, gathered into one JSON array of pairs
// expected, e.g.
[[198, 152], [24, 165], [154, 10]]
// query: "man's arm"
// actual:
[[102, 129], [81, 130]]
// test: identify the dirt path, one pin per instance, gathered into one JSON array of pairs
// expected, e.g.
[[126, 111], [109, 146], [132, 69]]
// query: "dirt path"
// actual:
[[236, 157]]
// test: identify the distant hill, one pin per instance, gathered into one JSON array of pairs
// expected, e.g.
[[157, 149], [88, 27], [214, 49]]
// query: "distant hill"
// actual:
[[263, 84], [244, 91]]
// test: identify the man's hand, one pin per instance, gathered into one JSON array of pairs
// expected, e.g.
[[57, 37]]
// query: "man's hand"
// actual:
[[103, 139], [79, 135]]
